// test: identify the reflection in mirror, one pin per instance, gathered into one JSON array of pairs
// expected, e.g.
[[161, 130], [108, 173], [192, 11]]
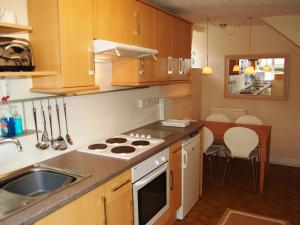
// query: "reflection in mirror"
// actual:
[[258, 76]]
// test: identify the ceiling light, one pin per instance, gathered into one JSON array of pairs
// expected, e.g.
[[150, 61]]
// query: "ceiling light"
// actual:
[[250, 69], [267, 68], [207, 70], [236, 68]]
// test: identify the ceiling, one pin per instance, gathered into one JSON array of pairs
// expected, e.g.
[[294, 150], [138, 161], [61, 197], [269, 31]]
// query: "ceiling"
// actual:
[[229, 11]]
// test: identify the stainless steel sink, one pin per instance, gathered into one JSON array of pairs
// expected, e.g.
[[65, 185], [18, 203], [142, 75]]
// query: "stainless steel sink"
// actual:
[[29, 185]]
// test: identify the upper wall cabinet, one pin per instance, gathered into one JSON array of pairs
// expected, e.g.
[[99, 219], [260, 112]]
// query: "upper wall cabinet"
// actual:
[[125, 21], [182, 39], [62, 41]]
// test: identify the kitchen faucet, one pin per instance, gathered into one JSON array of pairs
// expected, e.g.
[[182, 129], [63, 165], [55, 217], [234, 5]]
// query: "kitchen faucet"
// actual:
[[12, 140]]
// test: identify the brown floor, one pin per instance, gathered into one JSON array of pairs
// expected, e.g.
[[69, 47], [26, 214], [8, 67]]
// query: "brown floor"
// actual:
[[281, 198]]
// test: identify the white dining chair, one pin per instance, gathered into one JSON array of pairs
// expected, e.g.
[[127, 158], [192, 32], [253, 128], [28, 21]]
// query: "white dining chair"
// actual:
[[241, 142], [249, 119], [218, 118], [210, 149]]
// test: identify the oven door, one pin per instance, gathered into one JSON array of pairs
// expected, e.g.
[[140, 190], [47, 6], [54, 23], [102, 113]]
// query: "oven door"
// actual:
[[151, 196]]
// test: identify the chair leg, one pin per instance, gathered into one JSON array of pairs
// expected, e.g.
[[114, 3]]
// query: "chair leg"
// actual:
[[226, 168], [219, 162], [210, 168], [254, 173]]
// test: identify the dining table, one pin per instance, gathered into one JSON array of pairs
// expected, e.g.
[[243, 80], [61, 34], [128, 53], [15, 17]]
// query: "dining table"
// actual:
[[264, 135]]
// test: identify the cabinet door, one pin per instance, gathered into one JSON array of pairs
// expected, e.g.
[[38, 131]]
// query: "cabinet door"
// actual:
[[118, 194], [175, 178], [144, 25], [87, 210], [163, 34], [114, 20], [182, 39], [75, 28]]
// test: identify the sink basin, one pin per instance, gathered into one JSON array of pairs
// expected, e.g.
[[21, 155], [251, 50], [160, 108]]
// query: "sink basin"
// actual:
[[32, 184], [37, 183]]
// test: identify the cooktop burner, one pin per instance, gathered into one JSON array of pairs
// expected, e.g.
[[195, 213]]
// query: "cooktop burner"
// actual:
[[140, 143], [116, 140], [123, 149], [97, 146]]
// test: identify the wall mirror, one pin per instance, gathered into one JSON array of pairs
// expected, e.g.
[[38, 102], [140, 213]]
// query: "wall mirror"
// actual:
[[263, 76]]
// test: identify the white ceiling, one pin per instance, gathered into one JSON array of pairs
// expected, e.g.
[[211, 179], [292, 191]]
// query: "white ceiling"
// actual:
[[229, 11]]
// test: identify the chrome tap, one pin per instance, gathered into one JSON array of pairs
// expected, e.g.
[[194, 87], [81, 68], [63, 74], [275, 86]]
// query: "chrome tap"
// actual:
[[12, 140]]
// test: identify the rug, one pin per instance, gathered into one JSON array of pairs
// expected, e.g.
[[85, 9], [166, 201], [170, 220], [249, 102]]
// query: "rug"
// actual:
[[234, 217]]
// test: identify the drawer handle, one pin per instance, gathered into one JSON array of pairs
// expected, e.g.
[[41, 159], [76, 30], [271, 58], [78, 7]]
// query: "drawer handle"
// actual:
[[104, 210], [137, 21], [120, 186]]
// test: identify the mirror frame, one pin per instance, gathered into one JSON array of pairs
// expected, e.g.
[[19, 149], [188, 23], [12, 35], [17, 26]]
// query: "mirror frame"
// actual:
[[259, 97]]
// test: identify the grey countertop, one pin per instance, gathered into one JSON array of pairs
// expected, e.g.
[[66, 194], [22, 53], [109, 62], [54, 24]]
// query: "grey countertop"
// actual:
[[100, 168]]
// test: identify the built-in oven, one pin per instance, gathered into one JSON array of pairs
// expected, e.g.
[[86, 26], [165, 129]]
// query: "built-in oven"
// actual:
[[151, 188]]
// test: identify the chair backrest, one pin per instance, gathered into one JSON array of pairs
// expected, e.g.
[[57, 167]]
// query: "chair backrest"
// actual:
[[218, 118], [248, 119], [240, 141], [208, 138]]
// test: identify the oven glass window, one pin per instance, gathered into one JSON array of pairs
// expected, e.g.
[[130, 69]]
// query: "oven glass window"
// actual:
[[152, 198]]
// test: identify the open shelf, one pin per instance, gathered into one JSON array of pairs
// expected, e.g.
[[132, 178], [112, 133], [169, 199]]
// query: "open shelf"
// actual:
[[179, 95], [28, 74], [6, 28]]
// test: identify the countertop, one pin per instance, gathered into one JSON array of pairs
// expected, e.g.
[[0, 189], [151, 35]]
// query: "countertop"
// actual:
[[100, 168]]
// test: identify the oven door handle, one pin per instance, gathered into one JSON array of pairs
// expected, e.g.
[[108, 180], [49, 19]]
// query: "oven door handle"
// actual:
[[146, 180]]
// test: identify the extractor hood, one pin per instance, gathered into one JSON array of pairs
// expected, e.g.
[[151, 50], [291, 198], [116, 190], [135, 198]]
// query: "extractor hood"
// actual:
[[111, 51]]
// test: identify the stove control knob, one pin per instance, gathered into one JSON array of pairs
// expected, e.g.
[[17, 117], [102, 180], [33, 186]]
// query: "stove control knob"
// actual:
[[163, 158], [143, 136], [131, 134], [156, 162], [148, 136], [137, 135]]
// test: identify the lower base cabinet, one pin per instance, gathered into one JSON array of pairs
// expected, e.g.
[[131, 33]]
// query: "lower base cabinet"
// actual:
[[169, 217], [109, 204]]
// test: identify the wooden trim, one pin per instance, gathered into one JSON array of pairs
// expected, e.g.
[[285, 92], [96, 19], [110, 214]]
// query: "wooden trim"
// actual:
[[164, 11], [146, 84], [258, 97], [70, 90], [28, 74], [13, 28]]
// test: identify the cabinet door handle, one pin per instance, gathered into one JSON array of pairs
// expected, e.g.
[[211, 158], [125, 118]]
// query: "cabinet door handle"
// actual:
[[120, 186], [172, 180], [104, 210], [137, 23], [170, 65], [180, 70], [142, 66], [91, 61]]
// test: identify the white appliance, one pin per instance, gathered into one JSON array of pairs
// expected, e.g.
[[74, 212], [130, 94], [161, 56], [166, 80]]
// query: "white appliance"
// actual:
[[122, 146], [150, 181], [190, 175]]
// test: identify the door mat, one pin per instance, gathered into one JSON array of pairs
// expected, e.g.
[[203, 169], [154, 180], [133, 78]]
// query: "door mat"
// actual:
[[234, 217]]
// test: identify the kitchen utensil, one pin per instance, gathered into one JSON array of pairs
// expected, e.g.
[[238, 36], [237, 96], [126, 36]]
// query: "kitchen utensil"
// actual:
[[45, 137], [39, 144], [68, 137], [50, 122], [59, 141]]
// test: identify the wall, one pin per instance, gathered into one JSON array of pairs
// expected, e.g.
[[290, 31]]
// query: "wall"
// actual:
[[282, 115]]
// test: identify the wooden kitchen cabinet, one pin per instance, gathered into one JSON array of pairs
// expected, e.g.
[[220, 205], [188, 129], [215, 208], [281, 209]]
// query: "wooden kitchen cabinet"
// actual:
[[125, 21], [133, 72], [169, 217], [62, 41], [118, 194], [182, 44], [109, 204], [87, 210]]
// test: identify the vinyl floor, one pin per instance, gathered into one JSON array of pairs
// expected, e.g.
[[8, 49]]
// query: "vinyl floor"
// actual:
[[281, 198]]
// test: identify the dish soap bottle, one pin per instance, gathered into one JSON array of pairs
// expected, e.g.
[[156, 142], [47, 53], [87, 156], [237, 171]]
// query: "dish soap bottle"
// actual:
[[18, 121], [7, 123]]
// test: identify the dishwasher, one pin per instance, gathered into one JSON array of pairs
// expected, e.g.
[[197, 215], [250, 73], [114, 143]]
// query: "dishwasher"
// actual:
[[190, 174]]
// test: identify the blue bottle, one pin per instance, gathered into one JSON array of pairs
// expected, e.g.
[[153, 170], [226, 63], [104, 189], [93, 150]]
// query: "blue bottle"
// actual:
[[18, 124]]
